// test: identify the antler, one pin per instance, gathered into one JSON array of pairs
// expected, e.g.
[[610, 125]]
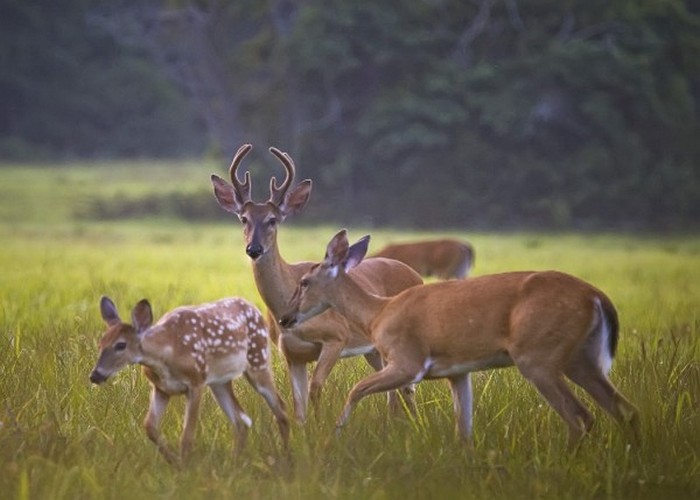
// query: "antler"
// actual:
[[242, 188], [277, 193]]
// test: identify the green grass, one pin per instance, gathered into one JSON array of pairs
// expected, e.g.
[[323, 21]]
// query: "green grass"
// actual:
[[62, 438]]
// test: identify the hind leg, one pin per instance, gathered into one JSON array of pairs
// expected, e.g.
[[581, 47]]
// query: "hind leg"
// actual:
[[586, 374], [223, 393], [264, 384], [553, 388]]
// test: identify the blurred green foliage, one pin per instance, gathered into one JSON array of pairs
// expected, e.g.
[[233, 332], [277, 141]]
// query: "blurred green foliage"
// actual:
[[426, 114]]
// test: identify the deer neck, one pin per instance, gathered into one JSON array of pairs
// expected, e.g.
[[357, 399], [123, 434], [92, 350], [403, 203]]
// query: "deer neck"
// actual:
[[355, 303], [275, 279]]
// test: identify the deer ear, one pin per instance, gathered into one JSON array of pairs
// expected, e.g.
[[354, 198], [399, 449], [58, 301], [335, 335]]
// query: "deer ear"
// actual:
[[296, 199], [142, 316], [356, 253], [109, 311], [337, 249], [225, 195]]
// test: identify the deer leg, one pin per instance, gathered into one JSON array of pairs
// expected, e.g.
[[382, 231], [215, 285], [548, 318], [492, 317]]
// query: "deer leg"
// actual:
[[194, 398], [389, 378], [300, 388], [586, 374], [330, 353], [223, 393], [394, 400], [461, 386], [158, 404], [263, 383], [553, 388]]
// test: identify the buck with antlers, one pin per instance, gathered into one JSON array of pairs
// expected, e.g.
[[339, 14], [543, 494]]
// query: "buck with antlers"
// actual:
[[188, 349], [445, 258], [548, 324], [330, 336]]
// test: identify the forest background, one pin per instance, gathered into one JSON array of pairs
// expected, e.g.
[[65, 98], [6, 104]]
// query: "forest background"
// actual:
[[433, 113]]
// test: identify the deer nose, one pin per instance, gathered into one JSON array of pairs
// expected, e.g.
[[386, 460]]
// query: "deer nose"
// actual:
[[254, 250], [97, 377]]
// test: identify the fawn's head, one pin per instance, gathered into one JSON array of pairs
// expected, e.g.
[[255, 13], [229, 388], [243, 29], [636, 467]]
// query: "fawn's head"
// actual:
[[120, 345], [260, 219]]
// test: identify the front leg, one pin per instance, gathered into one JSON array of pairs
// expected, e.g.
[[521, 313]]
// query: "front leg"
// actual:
[[461, 386], [300, 388], [394, 397], [298, 353], [330, 353], [194, 398], [392, 376], [156, 409]]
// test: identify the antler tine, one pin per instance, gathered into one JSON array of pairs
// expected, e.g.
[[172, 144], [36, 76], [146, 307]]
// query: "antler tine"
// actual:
[[242, 188], [277, 193]]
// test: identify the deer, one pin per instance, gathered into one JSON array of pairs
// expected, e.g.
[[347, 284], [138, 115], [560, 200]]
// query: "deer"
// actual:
[[188, 349], [329, 337], [444, 258], [548, 324]]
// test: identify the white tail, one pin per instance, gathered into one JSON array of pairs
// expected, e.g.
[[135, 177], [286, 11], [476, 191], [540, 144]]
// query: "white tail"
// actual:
[[445, 259], [548, 324], [329, 337], [188, 349]]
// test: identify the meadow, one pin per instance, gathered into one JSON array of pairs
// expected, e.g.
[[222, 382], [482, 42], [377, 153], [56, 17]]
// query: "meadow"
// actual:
[[61, 438]]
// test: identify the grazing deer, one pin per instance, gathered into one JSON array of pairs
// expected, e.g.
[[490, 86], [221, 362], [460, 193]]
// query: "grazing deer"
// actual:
[[445, 259], [548, 324], [188, 349], [328, 337]]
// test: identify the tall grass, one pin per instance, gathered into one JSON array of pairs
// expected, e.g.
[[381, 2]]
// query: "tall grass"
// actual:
[[62, 438]]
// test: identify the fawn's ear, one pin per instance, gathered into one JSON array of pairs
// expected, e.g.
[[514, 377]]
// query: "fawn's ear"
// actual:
[[296, 199], [109, 311], [142, 316], [225, 194], [356, 253]]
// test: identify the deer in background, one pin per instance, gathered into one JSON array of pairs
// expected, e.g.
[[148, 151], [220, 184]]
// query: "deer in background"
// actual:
[[330, 336], [548, 324], [188, 349], [445, 258]]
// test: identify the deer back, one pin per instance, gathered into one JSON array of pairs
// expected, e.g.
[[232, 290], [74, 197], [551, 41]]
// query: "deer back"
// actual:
[[210, 342]]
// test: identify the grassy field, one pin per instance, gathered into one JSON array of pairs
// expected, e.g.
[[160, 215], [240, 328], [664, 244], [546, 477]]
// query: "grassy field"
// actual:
[[62, 438]]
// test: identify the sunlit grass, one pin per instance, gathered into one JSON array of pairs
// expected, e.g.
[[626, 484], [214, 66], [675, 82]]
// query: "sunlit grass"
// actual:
[[62, 438]]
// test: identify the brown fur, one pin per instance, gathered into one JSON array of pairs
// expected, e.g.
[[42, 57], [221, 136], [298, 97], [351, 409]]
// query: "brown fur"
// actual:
[[445, 259], [188, 349], [328, 337], [548, 324]]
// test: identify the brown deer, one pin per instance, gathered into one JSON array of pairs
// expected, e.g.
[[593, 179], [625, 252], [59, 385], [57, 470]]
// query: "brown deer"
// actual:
[[445, 258], [330, 336], [548, 324], [188, 349]]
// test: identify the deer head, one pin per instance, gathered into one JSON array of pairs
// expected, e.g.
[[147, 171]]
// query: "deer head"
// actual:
[[314, 293], [260, 219], [121, 343]]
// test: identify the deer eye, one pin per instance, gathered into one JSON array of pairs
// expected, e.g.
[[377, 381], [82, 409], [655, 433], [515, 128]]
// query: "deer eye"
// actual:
[[304, 282], [120, 346], [271, 222], [243, 219]]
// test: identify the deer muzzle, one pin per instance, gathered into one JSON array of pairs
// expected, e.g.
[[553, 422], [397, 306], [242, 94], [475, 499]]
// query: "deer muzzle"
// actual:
[[288, 320], [97, 377], [254, 250]]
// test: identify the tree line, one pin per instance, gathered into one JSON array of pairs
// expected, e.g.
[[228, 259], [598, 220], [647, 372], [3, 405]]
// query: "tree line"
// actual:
[[442, 113]]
